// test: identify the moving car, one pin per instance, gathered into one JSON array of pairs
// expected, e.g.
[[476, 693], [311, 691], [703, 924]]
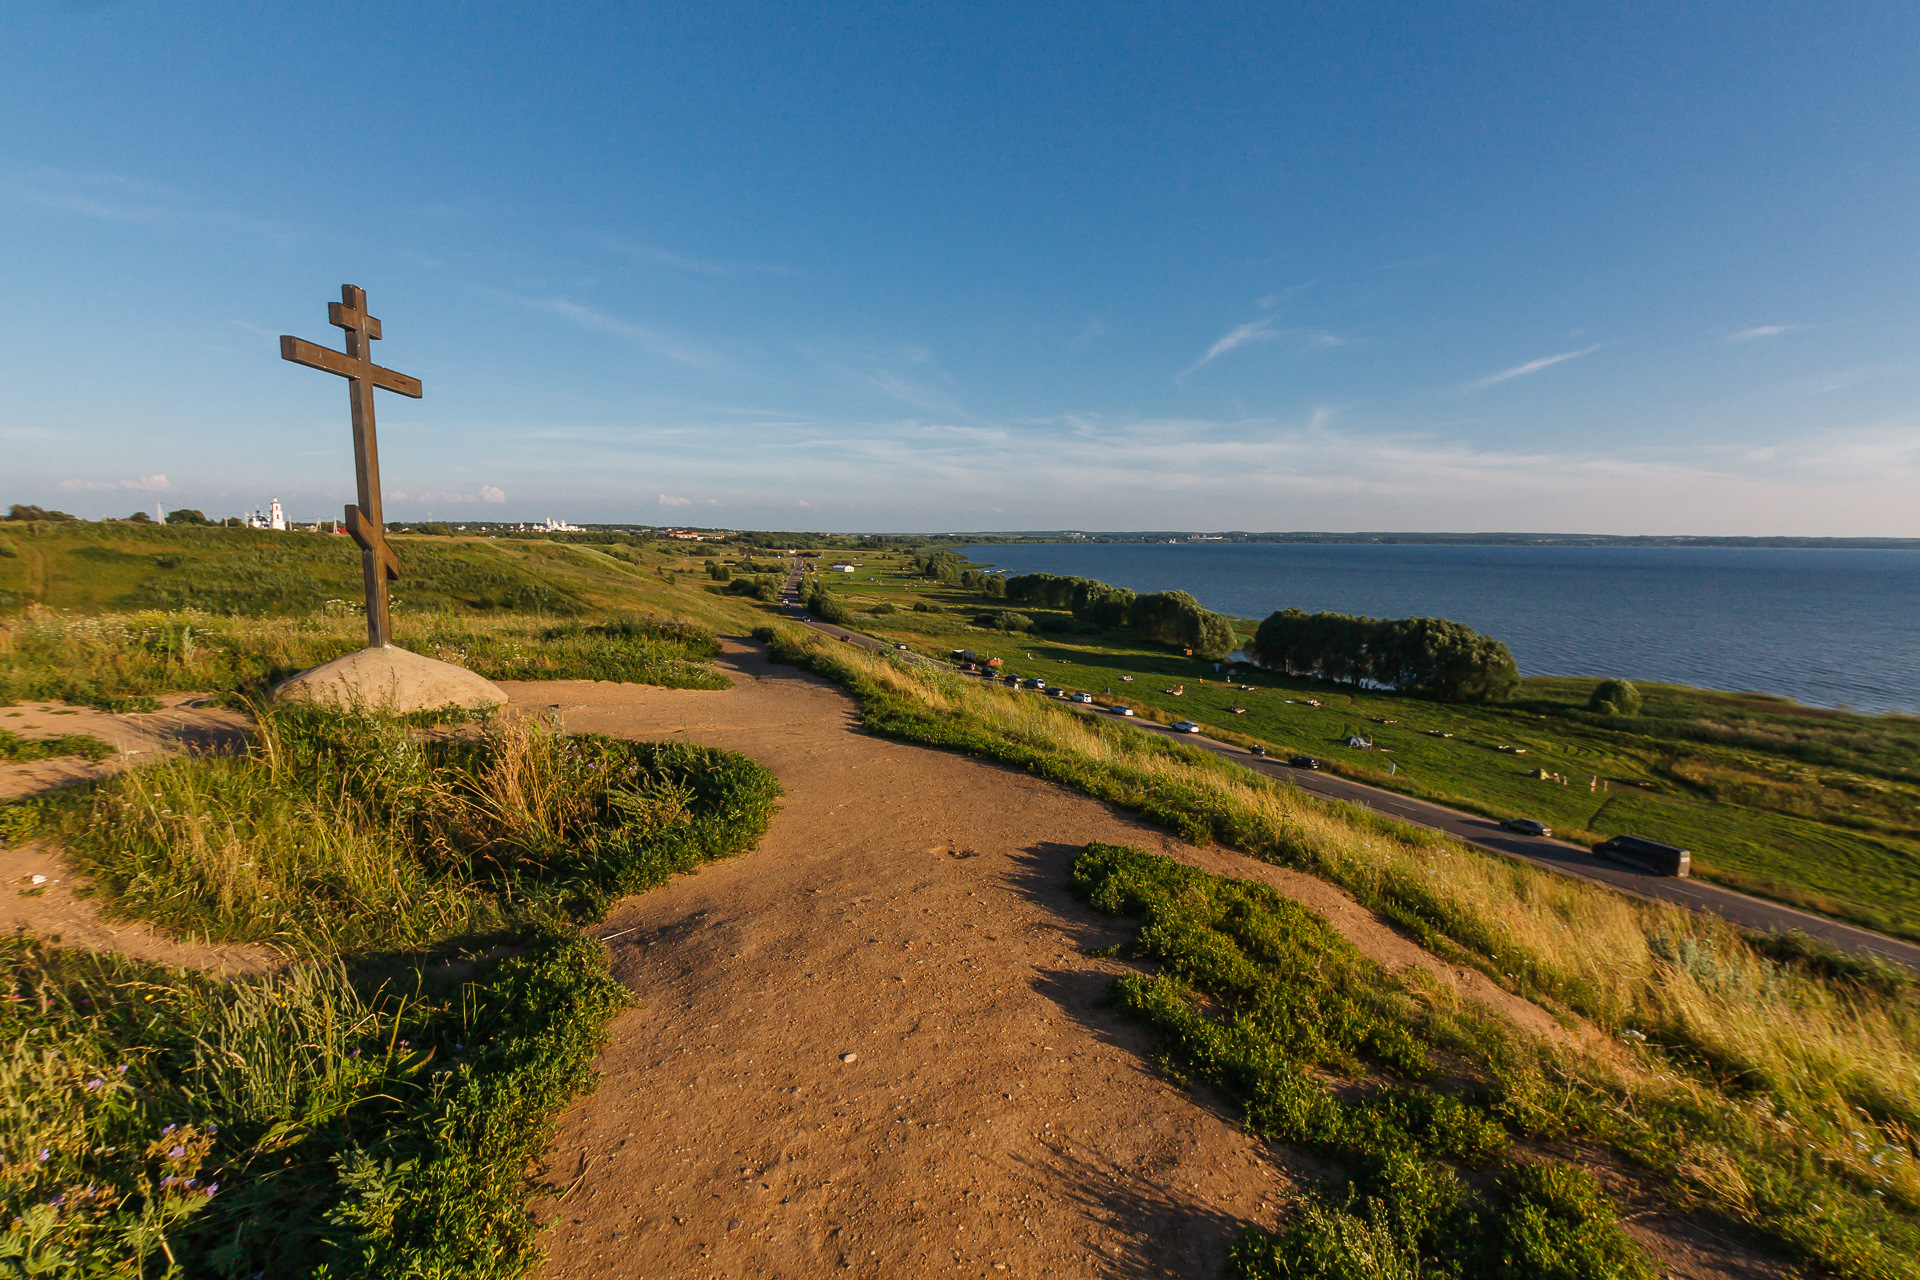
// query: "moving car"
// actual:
[[1527, 826], [1304, 762], [1121, 711], [1034, 683], [1648, 855], [1081, 697], [1185, 726]]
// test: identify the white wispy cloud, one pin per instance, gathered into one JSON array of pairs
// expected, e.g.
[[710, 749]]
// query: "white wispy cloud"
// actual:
[[142, 484], [488, 493], [112, 197], [653, 342], [666, 501], [1762, 331], [1533, 366], [1261, 330]]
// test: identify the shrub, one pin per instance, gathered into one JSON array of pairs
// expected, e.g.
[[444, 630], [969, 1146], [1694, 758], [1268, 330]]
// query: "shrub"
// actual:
[[1615, 698]]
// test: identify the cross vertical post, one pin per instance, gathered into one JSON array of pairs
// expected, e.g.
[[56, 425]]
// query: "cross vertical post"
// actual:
[[378, 564]]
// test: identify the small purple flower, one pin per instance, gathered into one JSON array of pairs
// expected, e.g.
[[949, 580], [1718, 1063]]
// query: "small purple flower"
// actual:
[[94, 1083], [45, 1155], [176, 1153]]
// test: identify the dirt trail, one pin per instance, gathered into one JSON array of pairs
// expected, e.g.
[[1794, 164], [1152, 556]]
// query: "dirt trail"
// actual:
[[39, 893], [907, 908]]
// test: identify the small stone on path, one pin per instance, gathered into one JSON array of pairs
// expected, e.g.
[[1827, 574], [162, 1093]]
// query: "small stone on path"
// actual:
[[848, 1057]]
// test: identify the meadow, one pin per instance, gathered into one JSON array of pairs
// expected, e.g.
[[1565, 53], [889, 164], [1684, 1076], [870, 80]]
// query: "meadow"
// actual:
[[1817, 808]]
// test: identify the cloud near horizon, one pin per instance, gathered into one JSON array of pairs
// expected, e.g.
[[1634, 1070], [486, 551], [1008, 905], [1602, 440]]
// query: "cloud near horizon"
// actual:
[[145, 484]]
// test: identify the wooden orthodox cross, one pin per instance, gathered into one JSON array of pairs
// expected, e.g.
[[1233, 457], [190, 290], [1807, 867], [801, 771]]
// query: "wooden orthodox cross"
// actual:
[[377, 562]]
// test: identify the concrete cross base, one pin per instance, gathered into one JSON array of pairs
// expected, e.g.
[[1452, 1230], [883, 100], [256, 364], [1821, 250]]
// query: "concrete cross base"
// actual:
[[390, 679]]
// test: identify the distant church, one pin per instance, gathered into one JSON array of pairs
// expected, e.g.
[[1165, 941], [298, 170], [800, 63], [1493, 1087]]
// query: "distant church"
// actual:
[[274, 519]]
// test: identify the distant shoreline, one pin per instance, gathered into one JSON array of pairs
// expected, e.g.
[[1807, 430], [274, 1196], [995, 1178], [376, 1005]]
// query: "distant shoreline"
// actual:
[[1441, 539]]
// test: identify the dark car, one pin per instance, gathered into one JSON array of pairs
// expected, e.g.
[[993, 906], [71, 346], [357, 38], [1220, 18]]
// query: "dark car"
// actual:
[[1527, 826], [1304, 762]]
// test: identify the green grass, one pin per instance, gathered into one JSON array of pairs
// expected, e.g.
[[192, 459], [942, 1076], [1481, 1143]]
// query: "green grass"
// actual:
[[1817, 808], [119, 661], [1451, 1133], [357, 1112]]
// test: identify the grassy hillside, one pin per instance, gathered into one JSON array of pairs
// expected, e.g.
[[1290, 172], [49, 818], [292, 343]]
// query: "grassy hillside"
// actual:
[[110, 613], [1814, 807]]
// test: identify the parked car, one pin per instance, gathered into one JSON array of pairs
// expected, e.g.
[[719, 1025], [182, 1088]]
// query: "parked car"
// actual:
[[1527, 827], [1304, 762], [1648, 855], [1034, 683], [1081, 697], [1185, 726], [1121, 711], [899, 645]]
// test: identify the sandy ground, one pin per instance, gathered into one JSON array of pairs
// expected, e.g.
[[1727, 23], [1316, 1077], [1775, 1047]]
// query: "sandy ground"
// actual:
[[875, 1044], [53, 909]]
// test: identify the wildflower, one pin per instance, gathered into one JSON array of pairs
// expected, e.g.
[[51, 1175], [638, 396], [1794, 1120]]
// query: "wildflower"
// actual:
[[94, 1083], [45, 1155]]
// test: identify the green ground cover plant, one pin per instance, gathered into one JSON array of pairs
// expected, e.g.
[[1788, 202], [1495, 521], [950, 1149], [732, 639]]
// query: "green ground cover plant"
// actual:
[[362, 1110], [1809, 806], [1257, 997], [1775, 1087], [14, 748]]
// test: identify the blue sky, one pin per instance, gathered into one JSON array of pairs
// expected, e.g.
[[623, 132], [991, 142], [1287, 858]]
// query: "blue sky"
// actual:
[[1630, 268]]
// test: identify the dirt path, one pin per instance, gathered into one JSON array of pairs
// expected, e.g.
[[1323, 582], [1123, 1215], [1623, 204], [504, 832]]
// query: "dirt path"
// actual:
[[908, 909], [39, 894]]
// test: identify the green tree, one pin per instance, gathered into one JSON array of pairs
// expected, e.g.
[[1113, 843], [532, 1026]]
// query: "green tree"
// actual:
[[186, 515], [21, 511], [1615, 698]]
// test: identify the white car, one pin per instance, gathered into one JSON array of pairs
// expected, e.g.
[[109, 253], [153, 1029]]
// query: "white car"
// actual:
[[1184, 726], [1081, 697], [1121, 711], [900, 647]]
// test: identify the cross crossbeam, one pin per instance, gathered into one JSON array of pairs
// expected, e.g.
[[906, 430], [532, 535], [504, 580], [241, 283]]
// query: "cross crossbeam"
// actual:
[[378, 564]]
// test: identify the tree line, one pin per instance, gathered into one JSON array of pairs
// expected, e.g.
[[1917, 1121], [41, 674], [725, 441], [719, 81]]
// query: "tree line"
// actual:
[[1431, 656], [1172, 617]]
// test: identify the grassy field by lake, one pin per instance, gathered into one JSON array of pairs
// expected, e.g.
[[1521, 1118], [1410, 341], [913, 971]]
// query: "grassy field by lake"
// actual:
[[1813, 807]]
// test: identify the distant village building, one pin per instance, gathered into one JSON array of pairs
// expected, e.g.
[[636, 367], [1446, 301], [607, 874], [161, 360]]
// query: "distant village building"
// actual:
[[275, 518]]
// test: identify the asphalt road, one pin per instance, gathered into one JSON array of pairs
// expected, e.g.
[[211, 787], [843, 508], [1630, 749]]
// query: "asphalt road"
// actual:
[[1484, 833]]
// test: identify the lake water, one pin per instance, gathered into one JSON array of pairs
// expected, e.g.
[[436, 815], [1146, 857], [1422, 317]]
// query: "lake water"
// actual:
[[1824, 627]]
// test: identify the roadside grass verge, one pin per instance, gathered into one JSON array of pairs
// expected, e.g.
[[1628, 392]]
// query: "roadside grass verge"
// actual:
[[1786, 1091], [119, 661], [362, 1111]]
